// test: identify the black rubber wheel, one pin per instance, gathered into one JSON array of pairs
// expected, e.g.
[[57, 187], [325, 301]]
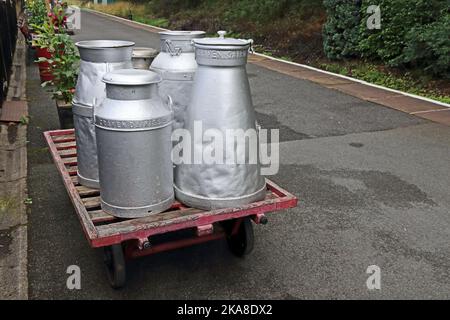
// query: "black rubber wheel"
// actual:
[[241, 244], [115, 265]]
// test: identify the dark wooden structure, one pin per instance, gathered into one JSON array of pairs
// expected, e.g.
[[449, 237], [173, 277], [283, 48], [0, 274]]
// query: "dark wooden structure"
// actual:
[[8, 36]]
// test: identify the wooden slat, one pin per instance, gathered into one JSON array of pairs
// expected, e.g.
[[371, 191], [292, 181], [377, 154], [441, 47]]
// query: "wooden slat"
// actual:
[[65, 145], [85, 191], [72, 172], [277, 190], [63, 138], [174, 220], [68, 153], [70, 161], [271, 195], [91, 203], [74, 180], [56, 133], [99, 216], [88, 227], [151, 222]]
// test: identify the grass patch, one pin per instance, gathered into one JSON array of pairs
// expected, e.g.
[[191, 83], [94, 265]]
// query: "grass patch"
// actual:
[[121, 9], [7, 204], [157, 22], [409, 81]]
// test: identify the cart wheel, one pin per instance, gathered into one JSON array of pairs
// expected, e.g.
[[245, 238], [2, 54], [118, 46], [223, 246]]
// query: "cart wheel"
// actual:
[[115, 265], [241, 243]]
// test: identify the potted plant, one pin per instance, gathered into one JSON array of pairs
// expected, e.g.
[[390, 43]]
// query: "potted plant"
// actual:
[[36, 14], [54, 24], [42, 43], [63, 65]]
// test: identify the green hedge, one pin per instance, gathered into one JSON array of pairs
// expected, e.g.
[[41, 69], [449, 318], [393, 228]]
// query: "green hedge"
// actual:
[[341, 31], [414, 33]]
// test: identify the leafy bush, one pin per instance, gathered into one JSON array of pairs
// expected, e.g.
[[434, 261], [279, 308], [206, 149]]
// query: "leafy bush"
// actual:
[[414, 33], [341, 30], [428, 46], [398, 18]]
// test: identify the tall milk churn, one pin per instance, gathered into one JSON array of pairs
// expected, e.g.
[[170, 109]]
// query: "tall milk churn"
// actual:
[[133, 128], [221, 104], [176, 65], [97, 58]]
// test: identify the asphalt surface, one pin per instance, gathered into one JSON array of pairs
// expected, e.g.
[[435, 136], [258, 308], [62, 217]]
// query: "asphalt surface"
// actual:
[[373, 188]]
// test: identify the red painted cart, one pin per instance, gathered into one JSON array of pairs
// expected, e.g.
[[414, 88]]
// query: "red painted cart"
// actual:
[[124, 239]]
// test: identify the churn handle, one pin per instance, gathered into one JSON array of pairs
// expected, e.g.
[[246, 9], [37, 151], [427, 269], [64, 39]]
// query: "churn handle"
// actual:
[[251, 49], [173, 51], [169, 103]]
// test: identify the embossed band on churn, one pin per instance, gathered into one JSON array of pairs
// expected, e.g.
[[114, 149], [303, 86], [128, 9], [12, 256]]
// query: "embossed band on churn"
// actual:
[[221, 54], [148, 124]]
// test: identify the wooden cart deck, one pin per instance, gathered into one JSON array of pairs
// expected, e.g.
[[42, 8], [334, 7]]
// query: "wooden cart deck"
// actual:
[[102, 229]]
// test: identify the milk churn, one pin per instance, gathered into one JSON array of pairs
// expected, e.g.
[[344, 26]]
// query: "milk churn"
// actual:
[[221, 104], [143, 57], [176, 64], [97, 58], [133, 128]]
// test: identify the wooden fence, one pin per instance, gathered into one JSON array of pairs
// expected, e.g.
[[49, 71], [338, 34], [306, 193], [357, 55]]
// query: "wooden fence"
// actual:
[[8, 37]]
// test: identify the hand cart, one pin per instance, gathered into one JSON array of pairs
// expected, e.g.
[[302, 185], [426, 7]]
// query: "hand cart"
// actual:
[[124, 239]]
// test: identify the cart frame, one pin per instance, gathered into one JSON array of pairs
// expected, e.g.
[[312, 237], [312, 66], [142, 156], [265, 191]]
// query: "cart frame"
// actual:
[[104, 230]]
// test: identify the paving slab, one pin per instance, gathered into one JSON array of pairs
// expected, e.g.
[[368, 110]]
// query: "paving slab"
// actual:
[[14, 111], [440, 116], [406, 104], [364, 92]]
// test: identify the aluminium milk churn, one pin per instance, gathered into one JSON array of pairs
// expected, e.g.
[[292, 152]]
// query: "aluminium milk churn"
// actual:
[[221, 104], [176, 65], [97, 58], [133, 128], [143, 57]]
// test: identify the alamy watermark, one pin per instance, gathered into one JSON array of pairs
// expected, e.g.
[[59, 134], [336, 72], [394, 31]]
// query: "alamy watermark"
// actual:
[[74, 280], [374, 20], [215, 146], [73, 14], [374, 280]]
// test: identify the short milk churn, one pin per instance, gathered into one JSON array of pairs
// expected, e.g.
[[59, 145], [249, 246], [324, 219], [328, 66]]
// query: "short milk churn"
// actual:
[[143, 57], [176, 65], [97, 58], [133, 127], [221, 106]]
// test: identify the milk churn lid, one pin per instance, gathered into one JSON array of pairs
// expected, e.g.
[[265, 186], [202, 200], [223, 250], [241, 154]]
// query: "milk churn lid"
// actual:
[[141, 52], [102, 44], [222, 41], [181, 35], [131, 77]]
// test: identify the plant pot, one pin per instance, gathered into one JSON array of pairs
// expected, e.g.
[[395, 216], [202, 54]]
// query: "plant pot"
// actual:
[[44, 67], [45, 75], [65, 114]]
